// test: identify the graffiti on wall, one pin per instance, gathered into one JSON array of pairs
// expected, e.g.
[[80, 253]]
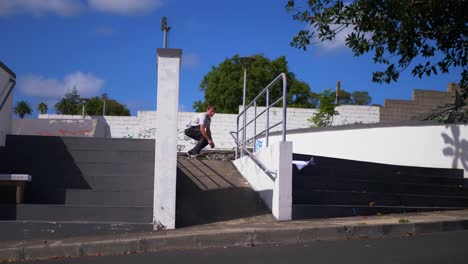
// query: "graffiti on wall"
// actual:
[[183, 142]]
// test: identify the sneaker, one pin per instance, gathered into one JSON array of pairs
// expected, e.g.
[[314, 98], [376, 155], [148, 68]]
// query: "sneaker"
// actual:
[[192, 155]]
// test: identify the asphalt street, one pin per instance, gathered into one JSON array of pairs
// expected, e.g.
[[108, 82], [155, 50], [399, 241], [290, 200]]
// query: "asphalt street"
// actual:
[[446, 247]]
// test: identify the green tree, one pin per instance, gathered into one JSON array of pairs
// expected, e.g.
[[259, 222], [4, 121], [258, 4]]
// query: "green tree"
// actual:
[[22, 108], [69, 104], [223, 85], [96, 104], [354, 98], [361, 98], [427, 35], [42, 108], [326, 110]]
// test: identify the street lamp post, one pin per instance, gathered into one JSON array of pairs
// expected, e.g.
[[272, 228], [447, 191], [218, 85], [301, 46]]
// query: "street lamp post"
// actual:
[[83, 102], [245, 62]]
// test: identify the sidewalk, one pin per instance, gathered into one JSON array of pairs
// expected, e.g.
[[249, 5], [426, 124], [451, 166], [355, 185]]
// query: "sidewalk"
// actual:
[[259, 230]]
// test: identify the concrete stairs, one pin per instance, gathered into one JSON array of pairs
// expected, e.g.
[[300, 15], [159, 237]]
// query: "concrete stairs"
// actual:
[[337, 187], [212, 191], [88, 182]]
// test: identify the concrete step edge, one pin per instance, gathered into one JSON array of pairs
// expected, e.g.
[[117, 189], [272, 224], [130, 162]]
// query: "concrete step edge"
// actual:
[[233, 237]]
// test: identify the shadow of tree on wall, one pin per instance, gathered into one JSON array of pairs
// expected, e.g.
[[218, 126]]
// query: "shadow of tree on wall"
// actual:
[[457, 147]]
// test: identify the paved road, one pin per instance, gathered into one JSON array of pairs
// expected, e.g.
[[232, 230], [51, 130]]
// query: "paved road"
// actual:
[[449, 247]]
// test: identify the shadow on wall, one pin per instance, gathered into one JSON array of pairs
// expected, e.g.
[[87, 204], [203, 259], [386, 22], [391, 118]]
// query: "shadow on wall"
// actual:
[[207, 194], [104, 128], [51, 165], [457, 147]]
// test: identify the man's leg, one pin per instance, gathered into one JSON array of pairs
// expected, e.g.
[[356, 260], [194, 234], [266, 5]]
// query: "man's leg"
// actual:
[[194, 133], [200, 145]]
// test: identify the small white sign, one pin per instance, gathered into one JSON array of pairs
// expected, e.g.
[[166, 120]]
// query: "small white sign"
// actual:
[[258, 145]]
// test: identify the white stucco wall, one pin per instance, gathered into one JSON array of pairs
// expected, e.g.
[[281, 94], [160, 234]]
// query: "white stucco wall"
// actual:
[[434, 146], [277, 193], [7, 110], [60, 127], [144, 125]]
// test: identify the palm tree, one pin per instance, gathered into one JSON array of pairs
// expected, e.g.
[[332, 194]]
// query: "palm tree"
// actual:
[[42, 108], [22, 108]]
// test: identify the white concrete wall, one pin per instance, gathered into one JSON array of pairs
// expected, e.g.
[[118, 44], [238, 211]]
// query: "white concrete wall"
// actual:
[[120, 126], [143, 125], [434, 146], [60, 127], [277, 194], [7, 111]]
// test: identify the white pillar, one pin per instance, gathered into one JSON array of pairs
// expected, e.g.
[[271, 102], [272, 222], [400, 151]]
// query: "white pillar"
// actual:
[[165, 166]]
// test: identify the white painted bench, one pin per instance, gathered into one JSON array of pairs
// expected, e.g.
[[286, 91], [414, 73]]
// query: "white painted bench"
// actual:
[[18, 180]]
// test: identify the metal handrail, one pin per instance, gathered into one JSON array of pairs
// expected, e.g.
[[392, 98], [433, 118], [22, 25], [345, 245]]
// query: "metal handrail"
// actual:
[[242, 143]]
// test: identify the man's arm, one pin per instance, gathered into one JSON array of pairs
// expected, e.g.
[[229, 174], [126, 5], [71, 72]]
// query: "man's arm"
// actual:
[[206, 134]]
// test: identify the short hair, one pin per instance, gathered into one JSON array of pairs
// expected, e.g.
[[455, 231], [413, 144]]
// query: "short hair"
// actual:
[[211, 107]]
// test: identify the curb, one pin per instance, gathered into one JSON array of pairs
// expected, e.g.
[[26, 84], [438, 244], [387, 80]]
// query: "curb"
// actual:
[[171, 240]]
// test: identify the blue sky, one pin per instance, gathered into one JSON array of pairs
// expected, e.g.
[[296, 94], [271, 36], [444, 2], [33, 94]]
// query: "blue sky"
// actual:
[[109, 46]]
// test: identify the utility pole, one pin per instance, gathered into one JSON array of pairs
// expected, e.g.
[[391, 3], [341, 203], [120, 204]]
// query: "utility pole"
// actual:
[[165, 29], [337, 95]]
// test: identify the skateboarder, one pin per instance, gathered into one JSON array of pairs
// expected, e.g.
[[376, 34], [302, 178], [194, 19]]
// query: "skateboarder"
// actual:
[[199, 129]]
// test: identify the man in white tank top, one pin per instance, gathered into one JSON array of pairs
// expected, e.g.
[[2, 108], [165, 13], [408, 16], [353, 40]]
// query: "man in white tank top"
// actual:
[[199, 129]]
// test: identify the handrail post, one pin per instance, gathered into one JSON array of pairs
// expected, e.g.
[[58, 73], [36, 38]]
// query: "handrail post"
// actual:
[[284, 106], [237, 136], [267, 125], [255, 126]]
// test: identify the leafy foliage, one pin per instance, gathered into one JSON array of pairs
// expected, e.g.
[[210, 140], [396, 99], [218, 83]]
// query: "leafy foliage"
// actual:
[[113, 108], [70, 104], [431, 33], [42, 108], [326, 110], [354, 98], [22, 108], [361, 98], [223, 85]]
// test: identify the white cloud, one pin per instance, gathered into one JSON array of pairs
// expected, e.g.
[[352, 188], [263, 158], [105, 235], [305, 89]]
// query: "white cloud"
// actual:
[[40, 7], [86, 83], [125, 7], [339, 42], [76, 7], [191, 60]]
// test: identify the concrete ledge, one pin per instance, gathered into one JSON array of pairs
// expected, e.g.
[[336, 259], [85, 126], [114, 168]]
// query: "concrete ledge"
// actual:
[[258, 232], [15, 177]]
